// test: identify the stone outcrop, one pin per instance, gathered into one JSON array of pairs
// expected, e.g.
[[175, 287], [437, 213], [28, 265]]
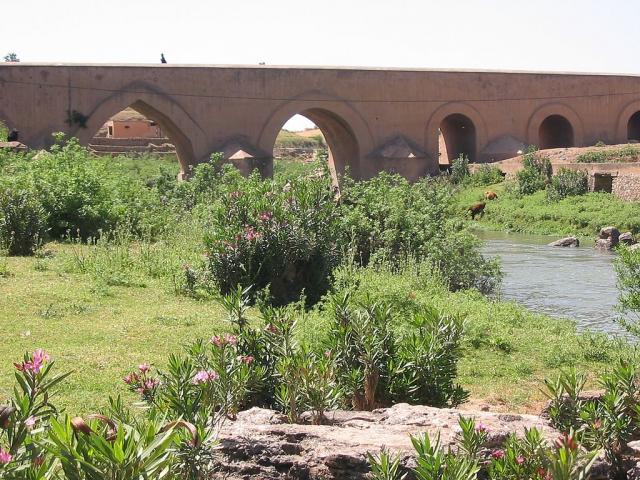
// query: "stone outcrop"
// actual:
[[14, 146], [608, 238], [566, 242], [627, 238], [260, 444]]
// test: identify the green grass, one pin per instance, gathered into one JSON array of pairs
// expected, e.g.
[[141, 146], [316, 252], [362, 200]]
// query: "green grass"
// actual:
[[100, 332], [580, 215]]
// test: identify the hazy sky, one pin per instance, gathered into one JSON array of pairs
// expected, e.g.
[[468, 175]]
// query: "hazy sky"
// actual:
[[553, 35]]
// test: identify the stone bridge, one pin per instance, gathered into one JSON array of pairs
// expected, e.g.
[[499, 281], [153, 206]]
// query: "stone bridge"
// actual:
[[373, 119]]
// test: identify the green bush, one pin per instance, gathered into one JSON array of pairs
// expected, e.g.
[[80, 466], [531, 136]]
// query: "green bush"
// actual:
[[567, 183], [487, 175], [22, 222], [388, 217], [535, 174], [264, 235], [460, 169]]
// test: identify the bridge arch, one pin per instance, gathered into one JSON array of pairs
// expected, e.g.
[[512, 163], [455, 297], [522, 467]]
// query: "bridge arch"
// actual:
[[156, 106], [628, 127], [463, 131], [345, 131], [554, 126]]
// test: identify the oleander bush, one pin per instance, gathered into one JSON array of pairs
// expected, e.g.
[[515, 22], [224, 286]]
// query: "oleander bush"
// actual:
[[567, 183], [23, 222]]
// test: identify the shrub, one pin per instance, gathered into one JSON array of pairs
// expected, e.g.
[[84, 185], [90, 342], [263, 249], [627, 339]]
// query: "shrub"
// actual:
[[388, 349], [460, 169], [22, 222], [389, 218], [263, 236], [530, 457], [567, 183], [487, 175], [535, 174]]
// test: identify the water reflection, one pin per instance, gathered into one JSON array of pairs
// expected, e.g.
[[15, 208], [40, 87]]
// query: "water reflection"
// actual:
[[577, 283]]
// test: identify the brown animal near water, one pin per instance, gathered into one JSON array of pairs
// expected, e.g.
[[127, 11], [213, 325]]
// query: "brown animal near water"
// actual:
[[490, 195], [477, 209]]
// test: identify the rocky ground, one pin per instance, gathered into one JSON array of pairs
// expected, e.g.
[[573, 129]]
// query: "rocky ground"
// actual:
[[260, 444]]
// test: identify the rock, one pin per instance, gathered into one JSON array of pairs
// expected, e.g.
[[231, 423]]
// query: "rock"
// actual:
[[566, 242], [609, 232], [608, 238], [627, 238], [15, 146], [259, 444]]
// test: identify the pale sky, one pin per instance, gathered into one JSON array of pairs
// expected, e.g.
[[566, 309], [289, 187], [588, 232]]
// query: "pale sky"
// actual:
[[549, 35]]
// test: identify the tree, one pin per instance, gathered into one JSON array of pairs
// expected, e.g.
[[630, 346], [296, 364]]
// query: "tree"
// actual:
[[11, 57]]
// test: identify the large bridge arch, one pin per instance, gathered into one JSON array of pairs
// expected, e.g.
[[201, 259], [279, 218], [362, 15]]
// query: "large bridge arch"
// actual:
[[462, 114], [345, 131], [557, 114], [630, 113], [161, 108]]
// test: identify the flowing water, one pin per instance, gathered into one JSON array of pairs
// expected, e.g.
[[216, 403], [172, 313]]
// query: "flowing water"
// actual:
[[577, 283]]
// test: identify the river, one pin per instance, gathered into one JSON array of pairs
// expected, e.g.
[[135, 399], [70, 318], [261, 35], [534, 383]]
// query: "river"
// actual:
[[576, 283]]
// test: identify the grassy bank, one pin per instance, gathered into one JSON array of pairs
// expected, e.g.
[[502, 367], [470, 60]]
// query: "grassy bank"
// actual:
[[582, 215], [100, 331]]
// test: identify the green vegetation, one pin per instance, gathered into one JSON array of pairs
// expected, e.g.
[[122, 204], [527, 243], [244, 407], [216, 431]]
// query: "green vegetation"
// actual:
[[530, 457], [535, 174], [230, 292], [628, 271], [537, 202], [287, 139], [581, 215], [625, 153], [567, 183]]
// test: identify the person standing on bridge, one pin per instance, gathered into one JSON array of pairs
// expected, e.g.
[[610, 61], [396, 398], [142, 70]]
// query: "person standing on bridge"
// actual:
[[162, 59]]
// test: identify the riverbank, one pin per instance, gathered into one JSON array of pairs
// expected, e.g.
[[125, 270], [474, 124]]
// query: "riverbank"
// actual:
[[582, 215], [100, 332]]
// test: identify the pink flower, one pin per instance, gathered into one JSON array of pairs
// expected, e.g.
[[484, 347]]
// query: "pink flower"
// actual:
[[30, 422], [204, 376], [144, 367], [130, 378], [266, 216], [251, 234], [271, 328], [497, 454], [236, 194], [151, 383], [217, 340], [246, 359], [327, 354], [34, 363], [520, 460], [40, 356], [231, 339], [5, 457], [481, 428]]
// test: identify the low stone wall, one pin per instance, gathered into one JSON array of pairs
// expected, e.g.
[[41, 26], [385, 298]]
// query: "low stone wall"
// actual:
[[627, 187]]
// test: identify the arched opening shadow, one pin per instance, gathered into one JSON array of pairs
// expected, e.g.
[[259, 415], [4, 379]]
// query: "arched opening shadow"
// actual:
[[457, 137], [555, 131]]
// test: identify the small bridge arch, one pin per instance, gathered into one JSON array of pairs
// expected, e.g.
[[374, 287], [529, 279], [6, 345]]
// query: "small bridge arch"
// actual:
[[345, 131], [160, 108]]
